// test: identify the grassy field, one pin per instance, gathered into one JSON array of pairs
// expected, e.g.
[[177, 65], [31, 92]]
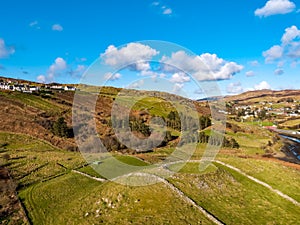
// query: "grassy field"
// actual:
[[283, 178], [291, 123], [34, 101], [155, 106], [108, 166], [53, 194], [30, 160], [74, 199], [260, 123], [234, 199], [191, 168]]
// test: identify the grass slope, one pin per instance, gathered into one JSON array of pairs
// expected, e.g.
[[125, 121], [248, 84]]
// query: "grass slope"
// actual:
[[234, 199], [285, 179], [74, 199], [32, 160]]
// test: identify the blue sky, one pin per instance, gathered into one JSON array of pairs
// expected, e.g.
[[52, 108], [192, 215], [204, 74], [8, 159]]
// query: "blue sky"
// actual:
[[250, 44]]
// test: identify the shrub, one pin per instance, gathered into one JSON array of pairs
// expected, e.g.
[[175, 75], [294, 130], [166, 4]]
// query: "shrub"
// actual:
[[61, 129]]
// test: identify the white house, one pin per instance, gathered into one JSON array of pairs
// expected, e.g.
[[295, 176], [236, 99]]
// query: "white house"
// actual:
[[5, 86], [33, 88], [19, 87], [57, 87], [70, 88]]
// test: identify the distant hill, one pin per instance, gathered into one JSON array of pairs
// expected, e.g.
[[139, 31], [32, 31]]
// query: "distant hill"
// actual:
[[209, 99], [257, 96], [36, 113], [265, 95], [14, 80], [17, 80]]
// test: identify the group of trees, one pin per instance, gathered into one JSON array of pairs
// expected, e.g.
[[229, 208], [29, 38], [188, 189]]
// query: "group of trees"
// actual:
[[184, 123], [204, 122], [175, 121], [139, 126], [218, 139], [61, 129]]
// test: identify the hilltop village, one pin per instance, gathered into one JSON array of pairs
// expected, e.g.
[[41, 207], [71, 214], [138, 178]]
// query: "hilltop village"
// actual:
[[25, 87], [275, 112]]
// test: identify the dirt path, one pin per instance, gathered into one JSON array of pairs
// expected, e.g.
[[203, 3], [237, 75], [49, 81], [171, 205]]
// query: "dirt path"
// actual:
[[186, 198], [89, 176], [192, 202], [177, 191], [168, 184], [288, 198]]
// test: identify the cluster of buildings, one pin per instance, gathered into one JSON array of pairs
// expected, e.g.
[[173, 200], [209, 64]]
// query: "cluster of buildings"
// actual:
[[267, 108], [19, 87], [26, 88]]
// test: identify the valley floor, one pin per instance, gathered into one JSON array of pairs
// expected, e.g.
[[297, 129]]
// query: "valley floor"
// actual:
[[58, 187]]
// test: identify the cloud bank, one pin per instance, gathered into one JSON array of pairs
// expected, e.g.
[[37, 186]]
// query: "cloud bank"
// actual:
[[275, 7]]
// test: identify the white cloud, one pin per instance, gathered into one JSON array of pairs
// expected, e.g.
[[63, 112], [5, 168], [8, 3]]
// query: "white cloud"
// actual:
[[235, 88], [290, 34], [281, 63], [180, 78], [279, 71], [262, 85], [218, 67], [112, 77], [59, 64], [136, 85], [80, 68], [152, 74], [5, 51], [254, 63], [182, 61], [58, 68], [250, 73], [167, 11], [83, 59], [274, 7], [54, 70], [294, 64], [33, 23], [57, 27], [163, 9], [199, 91], [204, 67], [288, 50], [275, 52], [41, 79], [133, 54], [141, 66], [293, 50], [177, 88], [78, 71]]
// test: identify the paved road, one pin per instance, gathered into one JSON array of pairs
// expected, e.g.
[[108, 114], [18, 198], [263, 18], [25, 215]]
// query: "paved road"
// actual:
[[290, 133]]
